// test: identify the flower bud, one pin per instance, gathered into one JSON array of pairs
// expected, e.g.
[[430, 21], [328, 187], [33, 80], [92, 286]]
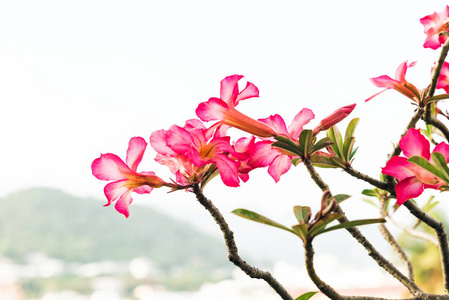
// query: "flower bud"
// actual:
[[334, 118]]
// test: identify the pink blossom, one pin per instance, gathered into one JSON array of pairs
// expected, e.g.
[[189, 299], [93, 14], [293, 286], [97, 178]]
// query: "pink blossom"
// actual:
[[399, 83], [223, 108], [412, 178], [443, 80], [433, 25], [278, 160], [125, 177], [334, 118], [194, 154]]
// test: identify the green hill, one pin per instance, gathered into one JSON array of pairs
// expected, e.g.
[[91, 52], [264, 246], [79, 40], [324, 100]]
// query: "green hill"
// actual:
[[77, 229]]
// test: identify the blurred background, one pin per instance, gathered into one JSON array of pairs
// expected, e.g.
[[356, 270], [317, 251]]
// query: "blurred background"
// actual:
[[78, 79]]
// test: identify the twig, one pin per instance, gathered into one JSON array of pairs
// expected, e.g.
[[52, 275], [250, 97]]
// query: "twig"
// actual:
[[438, 124], [334, 295], [441, 236], [415, 233], [377, 183], [392, 241], [355, 232], [419, 112], [232, 247]]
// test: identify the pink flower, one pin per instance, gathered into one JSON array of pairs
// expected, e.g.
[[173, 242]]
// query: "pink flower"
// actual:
[[433, 25], [412, 178], [278, 160], [399, 83], [194, 154], [334, 118], [223, 108], [443, 80], [125, 177]]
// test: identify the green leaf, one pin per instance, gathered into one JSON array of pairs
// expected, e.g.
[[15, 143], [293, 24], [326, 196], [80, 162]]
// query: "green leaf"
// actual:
[[351, 128], [353, 153], [441, 163], [286, 144], [296, 161], [321, 224], [323, 143], [371, 202], [335, 136], [370, 193], [437, 98], [292, 151], [302, 213], [253, 216], [305, 141], [341, 197], [352, 224], [337, 161], [347, 149], [425, 164], [430, 204], [322, 161], [306, 296], [301, 230]]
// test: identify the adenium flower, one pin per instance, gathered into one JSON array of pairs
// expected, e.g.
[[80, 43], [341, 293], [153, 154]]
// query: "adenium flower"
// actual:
[[433, 25], [443, 80], [399, 83], [223, 108], [193, 153], [412, 178], [278, 160], [334, 118], [124, 176]]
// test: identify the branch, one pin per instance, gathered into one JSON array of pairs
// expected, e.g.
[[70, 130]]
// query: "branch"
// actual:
[[415, 233], [411, 124], [334, 295], [232, 247], [355, 232], [436, 71], [377, 183], [392, 241], [438, 124], [441, 236]]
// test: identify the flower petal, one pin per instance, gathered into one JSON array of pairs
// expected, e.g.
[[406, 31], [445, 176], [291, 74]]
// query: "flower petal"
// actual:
[[442, 148], [276, 123], [407, 189], [229, 89], [211, 110], [136, 149], [398, 167], [279, 166], [250, 91], [228, 169], [413, 143], [122, 205], [110, 167], [301, 119], [263, 154], [114, 190]]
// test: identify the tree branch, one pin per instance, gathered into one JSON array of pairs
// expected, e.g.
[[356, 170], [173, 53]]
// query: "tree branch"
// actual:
[[441, 236], [233, 250], [392, 241], [377, 183], [355, 232]]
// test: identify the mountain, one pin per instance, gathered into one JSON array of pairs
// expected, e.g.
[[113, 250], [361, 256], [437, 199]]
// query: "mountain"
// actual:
[[80, 230]]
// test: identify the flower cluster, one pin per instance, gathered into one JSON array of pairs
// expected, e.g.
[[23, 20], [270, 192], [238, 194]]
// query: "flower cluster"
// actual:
[[196, 153]]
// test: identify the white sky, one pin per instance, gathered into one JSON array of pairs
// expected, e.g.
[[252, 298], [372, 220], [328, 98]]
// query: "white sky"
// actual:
[[80, 78]]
